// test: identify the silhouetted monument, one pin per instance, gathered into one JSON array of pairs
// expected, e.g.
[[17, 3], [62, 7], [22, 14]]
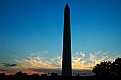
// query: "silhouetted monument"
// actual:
[[66, 62]]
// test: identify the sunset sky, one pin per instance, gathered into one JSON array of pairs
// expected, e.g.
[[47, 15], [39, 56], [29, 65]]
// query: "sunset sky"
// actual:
[[31, 33]]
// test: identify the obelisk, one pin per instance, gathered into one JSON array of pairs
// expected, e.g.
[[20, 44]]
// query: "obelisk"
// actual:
[[66, 62]]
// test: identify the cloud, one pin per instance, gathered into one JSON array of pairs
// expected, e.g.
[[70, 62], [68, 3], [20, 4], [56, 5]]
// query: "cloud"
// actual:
[[8, 65], [45, 52], [1, 70], [37, 62], [80, 60], [46, 70], [88, 72], [93, 59], [83, 55]]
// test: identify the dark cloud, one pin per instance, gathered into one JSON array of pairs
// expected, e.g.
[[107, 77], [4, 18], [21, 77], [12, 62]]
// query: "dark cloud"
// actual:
[[8, 65], [88, 72], [46, 70]]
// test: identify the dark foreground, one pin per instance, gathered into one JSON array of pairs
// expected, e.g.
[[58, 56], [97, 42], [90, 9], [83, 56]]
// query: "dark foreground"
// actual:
[[30, 77]]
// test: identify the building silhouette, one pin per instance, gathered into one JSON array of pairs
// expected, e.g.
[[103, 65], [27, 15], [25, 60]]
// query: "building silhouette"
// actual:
[[66, 62]]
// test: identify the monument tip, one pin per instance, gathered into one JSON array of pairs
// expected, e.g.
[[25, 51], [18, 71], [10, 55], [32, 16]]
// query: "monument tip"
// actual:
[[67, 6]]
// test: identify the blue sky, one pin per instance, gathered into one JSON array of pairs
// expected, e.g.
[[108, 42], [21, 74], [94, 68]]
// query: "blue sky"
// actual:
[[35, 27]]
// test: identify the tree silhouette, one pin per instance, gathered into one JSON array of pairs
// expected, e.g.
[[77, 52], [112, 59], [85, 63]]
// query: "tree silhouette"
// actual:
[[116, 67], [108, 68], [102, 69]]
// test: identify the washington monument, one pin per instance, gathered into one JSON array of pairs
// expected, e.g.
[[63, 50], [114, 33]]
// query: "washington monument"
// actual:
[[66, 62]]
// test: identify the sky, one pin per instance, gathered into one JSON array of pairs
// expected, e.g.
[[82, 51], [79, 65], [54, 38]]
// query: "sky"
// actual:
[[31, 33]]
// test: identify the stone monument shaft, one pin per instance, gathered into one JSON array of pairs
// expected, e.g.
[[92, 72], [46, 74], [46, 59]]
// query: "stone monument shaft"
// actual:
[[66, 62]]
